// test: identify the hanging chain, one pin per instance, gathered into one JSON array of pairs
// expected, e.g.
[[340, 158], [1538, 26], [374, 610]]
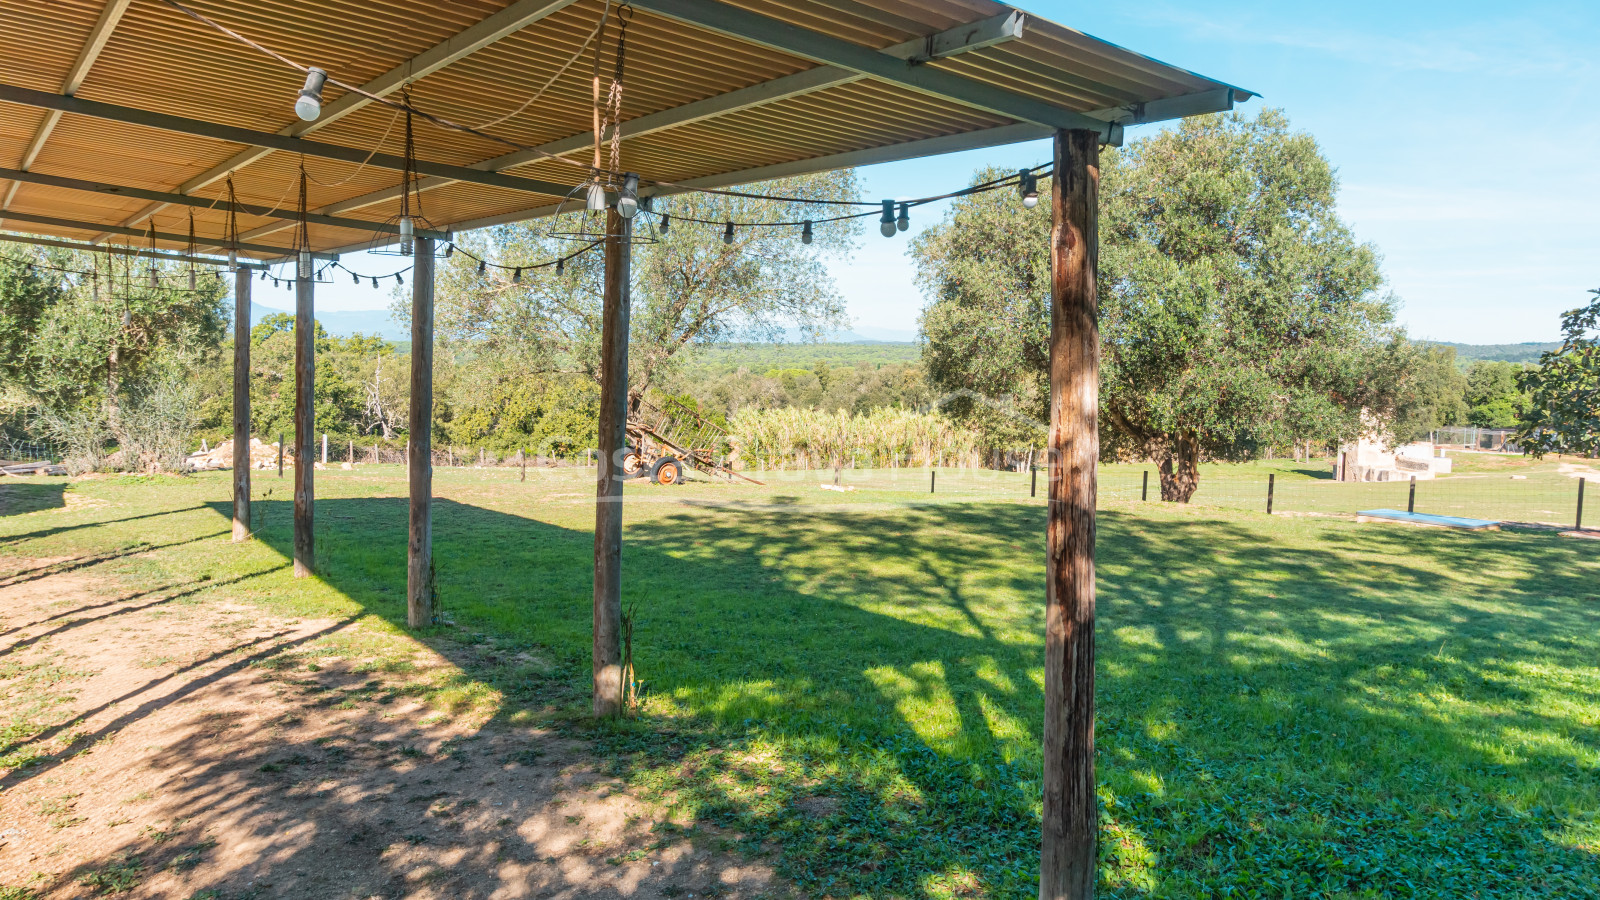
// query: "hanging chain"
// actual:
[[233, 218], [408, 166], [614, 99]]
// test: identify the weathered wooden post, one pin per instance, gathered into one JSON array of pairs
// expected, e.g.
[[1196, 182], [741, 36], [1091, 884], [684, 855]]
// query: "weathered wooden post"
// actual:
[[1411, 498], [350, 452], [608, 470], [1272, 479], [305, 369], [1067, 858], [419, 441], [931, 475], [241, 403], [1144, 489], [1033, 490], [1578, 525], [280, 454], [522, 460], [324, 448]]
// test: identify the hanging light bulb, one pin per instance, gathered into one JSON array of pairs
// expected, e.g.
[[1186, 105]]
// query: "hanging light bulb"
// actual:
[[483, 266], [309, 104], [448, 250], [374, 281], [408, 234], [628, 198], [398, 280], [516, 276], [904, 222], [265, 276], [805, 234], [727, 234], [886, 224], [355, 279], [666, 224], [1028, 184], [275, 283], [561, 267], [303, 270], [155, 280], [233, 260], [191, 277], [595, 200]]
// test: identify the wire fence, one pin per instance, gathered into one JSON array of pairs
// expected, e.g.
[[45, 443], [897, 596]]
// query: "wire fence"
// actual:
[[1545, 499], [18, 450]]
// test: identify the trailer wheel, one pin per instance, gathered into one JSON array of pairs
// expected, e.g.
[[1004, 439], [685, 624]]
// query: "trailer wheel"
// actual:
[[668, 471], [632, 464]]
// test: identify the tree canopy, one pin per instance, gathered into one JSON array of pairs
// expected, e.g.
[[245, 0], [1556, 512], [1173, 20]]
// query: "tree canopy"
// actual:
[[1237, 311], [1564, 391]]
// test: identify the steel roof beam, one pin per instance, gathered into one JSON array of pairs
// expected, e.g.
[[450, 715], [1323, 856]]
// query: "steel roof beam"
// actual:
[[232, 134], [92, 248], [784, 37], [971, 36], [266, 250], [96, 42], [98, 187], [502, 24]]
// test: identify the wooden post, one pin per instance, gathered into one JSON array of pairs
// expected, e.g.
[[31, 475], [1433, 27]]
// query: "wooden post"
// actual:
[[608, 471], [324, 448], [1272, 479], [522, 459], [280, 454], [241, 403], [350, 452], [305, 371], [1067, 858], [1033, 491], [931, 474], [1144, 490], [1411, 500], [419, 441], [1578, 525]]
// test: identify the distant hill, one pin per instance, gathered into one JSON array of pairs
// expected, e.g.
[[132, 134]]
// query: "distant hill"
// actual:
[[372, 322], [759, 357], [1517, 353]]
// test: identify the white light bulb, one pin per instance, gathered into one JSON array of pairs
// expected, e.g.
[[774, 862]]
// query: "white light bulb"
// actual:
[[233, 260], [628, 198], [407, 235], [305, 264], [596, 198], [1030, 201], [309, 104]]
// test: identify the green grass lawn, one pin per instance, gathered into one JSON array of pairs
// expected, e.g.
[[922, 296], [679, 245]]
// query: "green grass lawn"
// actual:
[[1289, 707]]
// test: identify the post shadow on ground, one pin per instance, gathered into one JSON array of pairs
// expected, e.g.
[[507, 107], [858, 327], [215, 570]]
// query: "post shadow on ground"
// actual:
[[18, 497], [1241, 741]]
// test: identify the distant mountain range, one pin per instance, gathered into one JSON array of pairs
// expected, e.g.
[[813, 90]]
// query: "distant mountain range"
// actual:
[[1518, 353], [343, 323]]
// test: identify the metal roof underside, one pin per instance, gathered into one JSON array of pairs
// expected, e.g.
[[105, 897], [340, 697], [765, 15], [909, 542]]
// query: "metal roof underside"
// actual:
[[115, 115]]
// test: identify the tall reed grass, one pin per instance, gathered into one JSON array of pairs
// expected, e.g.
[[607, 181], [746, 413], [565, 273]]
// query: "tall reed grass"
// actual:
[[814, 439]]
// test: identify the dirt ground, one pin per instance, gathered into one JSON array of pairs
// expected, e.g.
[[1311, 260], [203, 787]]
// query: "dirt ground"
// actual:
[[173, 757]]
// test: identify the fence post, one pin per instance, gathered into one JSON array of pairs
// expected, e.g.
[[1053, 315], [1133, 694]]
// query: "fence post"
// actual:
[[1411, 499], [1034, 491], [1578, 526], [352, 452], [522, 458], [280, 454], [324, 448], [1144, 490], [931, 473], [1272, 480]]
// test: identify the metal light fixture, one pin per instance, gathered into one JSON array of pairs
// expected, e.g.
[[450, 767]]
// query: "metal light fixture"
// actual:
[[303, 270], [628, 198], [727, 234], [595, 199], [805, 234], [233, 260], [1028, 185], [904, 222], [886, 224], [309, 104]]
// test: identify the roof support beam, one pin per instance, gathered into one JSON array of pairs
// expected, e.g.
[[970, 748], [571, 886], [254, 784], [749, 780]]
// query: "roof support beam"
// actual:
[[266, 250], [216, 131], [508, 21], [972, 36], [97, 187], [755, 28], [110, 15], [92, 248]]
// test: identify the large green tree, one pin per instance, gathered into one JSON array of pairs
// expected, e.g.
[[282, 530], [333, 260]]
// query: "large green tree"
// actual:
[[690, 286], [1237, 311], [1563, 413], [1493, 397], [1433, 394]]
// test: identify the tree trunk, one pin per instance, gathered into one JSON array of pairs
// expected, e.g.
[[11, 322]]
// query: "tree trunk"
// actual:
[[1180, 470]]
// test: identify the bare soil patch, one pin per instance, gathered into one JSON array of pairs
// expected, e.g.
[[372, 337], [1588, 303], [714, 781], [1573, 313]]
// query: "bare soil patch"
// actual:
[[156, 746]]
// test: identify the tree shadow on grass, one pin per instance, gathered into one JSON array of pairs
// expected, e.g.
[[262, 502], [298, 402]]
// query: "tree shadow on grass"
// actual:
[[17, 498], [1286, 708]]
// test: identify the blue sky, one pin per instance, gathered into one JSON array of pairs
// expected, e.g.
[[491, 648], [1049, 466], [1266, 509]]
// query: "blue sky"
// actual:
[[1466, 135]]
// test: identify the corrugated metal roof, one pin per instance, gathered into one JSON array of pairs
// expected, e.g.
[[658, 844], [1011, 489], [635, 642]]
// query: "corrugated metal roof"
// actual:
[[158, 59]]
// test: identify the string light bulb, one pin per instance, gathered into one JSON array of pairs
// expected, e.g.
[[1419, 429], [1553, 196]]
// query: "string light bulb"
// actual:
[[904, 222], [727, 233], [805, 234], [408, 235], [666, 224], [1028, 184], [516, 275], [355, 279], [309, 104], [374, 281], [595, 201], [628, 198], [561, 266], [886, 224], [398, 280], [449, 250]]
